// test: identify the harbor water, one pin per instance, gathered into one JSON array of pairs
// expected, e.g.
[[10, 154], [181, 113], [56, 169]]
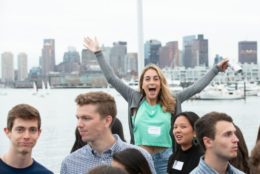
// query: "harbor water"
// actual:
[[57, 110]]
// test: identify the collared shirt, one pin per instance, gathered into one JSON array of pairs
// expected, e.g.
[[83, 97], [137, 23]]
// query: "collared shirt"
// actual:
[[86, 158], [203, 168]]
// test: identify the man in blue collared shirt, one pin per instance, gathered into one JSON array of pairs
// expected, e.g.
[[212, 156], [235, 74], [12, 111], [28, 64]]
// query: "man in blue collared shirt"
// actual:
[[96, 112], [216, 133]]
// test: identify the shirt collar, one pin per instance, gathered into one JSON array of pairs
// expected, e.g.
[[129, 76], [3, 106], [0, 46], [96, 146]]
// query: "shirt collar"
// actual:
[[204, 165], [114, 148]]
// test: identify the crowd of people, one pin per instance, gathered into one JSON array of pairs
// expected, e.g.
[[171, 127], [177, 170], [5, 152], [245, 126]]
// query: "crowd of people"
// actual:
[[164, 139]]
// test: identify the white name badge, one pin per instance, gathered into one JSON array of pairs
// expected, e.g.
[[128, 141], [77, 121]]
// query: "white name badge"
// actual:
[[177, 165], [153, 130]]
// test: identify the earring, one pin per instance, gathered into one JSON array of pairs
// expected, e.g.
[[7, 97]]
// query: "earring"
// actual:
[[195, 141]]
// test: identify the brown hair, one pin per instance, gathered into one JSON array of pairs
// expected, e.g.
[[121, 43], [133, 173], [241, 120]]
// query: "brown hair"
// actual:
[[105, 103], [106, 170], [241, 161], [254, 160], [165, 98], [25, 112], [206, 125]]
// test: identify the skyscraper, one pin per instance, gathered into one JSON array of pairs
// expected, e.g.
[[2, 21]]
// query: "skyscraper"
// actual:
[[187, 50], [195, 51], [169, 55], [132, 64], [22, 66], [7, 67], [118, 59], [48, 57], [200, 51], [151, 51], [247, 52]]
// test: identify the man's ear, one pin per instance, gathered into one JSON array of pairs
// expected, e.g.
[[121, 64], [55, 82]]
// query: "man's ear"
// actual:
[[6, 130], [108, 120], [208, 142]]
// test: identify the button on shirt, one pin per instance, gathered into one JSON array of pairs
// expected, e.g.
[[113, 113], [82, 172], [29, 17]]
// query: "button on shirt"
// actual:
[[203, 168], [86, 158]]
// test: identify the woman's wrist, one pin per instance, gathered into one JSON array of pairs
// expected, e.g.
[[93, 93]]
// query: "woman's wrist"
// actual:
[[98, 51]]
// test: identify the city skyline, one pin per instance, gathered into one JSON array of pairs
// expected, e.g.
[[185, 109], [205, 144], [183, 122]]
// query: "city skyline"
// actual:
[[223, 23]]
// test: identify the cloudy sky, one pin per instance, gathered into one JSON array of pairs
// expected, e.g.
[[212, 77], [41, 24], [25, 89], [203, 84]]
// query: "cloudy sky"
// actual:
[[24, 24]]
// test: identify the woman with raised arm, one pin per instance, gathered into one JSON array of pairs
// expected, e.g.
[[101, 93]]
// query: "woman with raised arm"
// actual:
[[151, 109]]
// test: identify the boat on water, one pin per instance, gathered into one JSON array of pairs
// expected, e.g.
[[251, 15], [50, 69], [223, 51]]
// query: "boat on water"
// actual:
[[219, 92], [251, 89]]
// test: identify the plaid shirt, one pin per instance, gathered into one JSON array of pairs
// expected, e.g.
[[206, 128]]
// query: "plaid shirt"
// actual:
[[203, 168], [86, 158]]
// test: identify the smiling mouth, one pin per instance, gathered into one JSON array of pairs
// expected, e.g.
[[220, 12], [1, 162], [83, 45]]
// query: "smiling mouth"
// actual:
[[178, 137], [152, 89]]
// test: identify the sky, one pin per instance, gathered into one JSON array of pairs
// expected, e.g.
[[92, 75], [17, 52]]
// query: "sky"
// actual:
[[24, 24]]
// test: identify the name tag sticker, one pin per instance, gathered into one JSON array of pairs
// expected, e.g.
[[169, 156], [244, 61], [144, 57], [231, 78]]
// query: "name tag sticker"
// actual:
[[177, 165], [153, 130]]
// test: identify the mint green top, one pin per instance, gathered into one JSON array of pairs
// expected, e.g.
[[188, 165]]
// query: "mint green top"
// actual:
[[152, 126]]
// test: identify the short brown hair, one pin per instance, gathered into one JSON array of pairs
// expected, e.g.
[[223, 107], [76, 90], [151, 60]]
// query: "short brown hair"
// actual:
[[25, 112], [206, 125], [106, 104]]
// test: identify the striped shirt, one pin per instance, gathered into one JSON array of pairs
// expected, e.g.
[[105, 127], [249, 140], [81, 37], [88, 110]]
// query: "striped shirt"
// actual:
[[86, 158], [203, 168]]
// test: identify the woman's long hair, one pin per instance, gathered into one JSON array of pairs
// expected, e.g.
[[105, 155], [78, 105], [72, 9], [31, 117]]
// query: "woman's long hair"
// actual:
[[242, 159], [165, 97]]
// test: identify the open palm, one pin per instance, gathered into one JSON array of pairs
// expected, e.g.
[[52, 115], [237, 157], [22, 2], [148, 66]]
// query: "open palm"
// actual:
[[91, 44]]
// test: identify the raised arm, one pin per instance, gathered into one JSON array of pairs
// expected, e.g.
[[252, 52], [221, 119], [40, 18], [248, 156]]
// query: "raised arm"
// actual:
[[199, 85], [118, 84]]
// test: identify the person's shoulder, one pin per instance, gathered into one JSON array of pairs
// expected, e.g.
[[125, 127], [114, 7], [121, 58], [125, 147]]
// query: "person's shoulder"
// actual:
[[128, 146], [235, 170], [41, 169], [76, 154], [197, 170]]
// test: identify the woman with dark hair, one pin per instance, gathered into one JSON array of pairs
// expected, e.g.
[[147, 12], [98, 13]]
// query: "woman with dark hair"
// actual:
[[116, 128], [107, 170], [242, 160], [152, 107], [132, 161], [188, 153]]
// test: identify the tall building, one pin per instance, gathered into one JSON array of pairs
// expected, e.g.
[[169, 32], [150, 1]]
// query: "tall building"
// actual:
[[247, 52], [88, 58], [48, 57], [7, 65], [200, 55], [187, 50], [169, 55], [132, 64], [71, 60], [195, 51], [151, 52], [118, 59], [22, 65]]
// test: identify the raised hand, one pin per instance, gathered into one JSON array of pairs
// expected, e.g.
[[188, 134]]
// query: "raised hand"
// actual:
[[91, 44], [223, 64]]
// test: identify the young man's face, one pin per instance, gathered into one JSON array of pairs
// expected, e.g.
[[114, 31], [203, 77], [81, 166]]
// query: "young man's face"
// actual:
[[23, 135], [225, 144], [90, 124]]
